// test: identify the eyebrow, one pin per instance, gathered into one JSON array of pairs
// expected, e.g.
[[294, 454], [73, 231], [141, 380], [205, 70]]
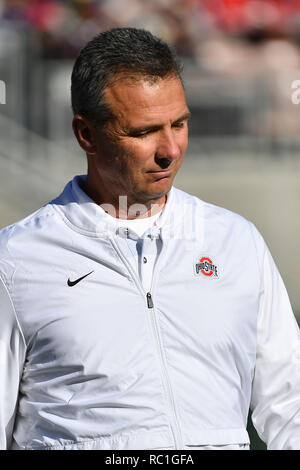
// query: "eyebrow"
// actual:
[[138, 130]]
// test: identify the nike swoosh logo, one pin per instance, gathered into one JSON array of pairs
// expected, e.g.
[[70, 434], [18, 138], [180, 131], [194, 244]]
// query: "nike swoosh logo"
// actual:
[[73, 283]]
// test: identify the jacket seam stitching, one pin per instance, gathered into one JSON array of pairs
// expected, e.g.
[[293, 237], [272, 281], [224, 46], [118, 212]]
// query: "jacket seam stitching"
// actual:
[[14, 310], [129, 435], [260, 305], [111, 438], [256, 257]]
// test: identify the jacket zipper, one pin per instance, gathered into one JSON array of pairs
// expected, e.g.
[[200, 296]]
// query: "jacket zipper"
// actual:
[[149, 300], [177, 435], [150, 305]]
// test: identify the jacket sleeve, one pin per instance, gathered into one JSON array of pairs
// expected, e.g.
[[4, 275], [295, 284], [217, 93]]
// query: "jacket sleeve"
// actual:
[[12, 357], [275, 399]]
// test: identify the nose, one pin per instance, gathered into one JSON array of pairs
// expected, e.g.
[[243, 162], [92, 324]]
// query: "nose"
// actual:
[[167, 149]]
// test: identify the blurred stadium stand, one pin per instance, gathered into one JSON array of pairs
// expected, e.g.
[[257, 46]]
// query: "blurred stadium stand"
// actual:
[[241, 58]]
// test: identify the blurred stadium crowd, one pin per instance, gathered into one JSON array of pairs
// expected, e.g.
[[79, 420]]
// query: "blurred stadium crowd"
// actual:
[[225, 41], [63, 27], [241, 60]]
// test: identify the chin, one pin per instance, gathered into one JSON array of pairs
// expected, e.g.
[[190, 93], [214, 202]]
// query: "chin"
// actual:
[[155, 196], [163, 187], [153, 192]]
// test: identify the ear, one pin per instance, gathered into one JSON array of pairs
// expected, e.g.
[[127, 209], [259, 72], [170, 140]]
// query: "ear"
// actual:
[[85, 133]]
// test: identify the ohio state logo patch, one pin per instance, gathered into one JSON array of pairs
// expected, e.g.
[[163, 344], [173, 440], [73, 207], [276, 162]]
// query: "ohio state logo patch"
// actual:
[[206, 267]]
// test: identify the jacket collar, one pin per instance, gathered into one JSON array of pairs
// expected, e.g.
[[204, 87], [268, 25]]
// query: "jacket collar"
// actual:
[[84, 215]]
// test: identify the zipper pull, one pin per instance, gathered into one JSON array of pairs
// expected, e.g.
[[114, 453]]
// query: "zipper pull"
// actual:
[[149, 300]]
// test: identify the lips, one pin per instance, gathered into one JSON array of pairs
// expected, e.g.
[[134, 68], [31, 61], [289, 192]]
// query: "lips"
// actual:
[[158, 175]]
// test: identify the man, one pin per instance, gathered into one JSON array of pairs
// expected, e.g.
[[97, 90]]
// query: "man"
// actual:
[[133, 315]]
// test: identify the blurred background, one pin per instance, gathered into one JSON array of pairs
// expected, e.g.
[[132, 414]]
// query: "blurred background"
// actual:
[[242, 63]]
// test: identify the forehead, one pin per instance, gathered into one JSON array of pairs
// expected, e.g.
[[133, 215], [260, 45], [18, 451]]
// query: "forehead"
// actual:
[[140, 101]]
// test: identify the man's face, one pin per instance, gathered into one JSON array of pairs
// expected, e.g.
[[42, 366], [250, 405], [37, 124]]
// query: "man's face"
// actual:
[[140, 151]]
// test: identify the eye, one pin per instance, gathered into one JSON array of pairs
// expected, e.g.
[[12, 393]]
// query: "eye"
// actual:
[[179, 125], [142, 135]]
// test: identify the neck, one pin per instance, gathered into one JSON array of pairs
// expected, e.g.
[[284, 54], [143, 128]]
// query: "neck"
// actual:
[[122, 206]]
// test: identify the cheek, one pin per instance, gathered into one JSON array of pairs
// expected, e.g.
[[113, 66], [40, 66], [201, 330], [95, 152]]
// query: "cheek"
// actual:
[[140, 153], [183, 141]]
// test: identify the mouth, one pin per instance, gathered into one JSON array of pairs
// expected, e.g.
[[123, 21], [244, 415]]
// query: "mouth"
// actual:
[[161, 174]]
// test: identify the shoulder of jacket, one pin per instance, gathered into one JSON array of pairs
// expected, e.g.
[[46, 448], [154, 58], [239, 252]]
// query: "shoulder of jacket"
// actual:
[[32, 221], [224, 221], [19, 231], [239, 226], [210, 210], [226, 215]]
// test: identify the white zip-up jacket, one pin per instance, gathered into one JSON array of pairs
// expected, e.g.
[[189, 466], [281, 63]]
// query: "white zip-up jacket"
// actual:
[[90, 360]]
